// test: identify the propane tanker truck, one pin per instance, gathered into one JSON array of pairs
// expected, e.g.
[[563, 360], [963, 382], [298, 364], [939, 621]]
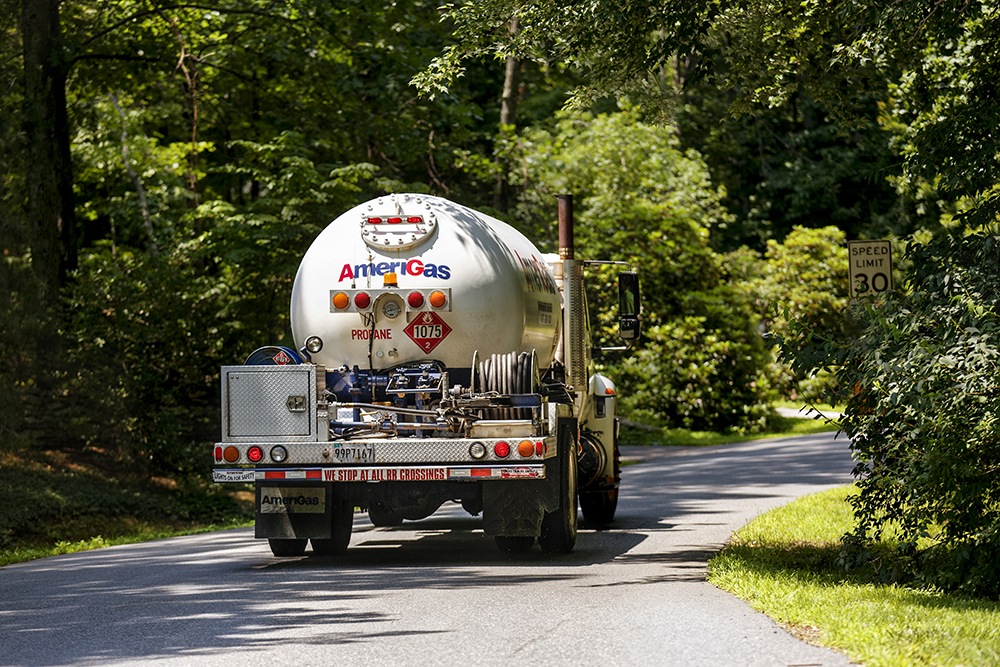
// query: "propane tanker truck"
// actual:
[[441, 357]]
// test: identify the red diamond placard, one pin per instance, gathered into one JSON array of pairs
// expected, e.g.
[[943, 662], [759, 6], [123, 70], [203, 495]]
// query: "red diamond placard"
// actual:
[[427, 330]]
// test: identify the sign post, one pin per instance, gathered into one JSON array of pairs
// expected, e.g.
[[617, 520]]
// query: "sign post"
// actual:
[[870, 270]]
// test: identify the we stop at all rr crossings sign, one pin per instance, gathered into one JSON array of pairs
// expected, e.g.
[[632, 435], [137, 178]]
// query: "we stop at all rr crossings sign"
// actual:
[[870, 270]]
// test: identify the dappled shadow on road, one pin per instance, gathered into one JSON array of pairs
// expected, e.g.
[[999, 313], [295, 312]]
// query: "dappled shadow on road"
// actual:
[[223, 594]]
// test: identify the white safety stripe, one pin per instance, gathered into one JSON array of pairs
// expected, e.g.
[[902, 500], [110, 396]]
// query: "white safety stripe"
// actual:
[[384, 474]]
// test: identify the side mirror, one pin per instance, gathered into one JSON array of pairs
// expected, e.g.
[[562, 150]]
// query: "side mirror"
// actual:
[[628, 305]]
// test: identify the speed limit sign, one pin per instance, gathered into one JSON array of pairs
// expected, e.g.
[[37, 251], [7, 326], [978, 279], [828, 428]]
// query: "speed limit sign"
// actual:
[[871, 267]]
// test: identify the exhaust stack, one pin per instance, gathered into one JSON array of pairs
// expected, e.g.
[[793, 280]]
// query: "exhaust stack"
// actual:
[[565, 226]]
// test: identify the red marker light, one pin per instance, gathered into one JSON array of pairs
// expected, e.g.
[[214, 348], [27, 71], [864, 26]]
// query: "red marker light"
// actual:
[[362, 300], [416, 299], [374, 221], [539, 448], [255, 454], [394, 221], [501, 449], [218, 454], [414, 219]]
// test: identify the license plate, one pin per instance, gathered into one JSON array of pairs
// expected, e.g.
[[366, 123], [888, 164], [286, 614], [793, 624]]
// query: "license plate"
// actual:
[[346, 454]]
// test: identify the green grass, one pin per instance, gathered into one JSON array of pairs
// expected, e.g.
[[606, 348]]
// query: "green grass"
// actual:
[[784, 564], [795, 405], [782, 427]]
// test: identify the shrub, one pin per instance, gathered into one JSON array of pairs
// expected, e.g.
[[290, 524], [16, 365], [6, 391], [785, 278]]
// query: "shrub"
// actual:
[[924, 422]]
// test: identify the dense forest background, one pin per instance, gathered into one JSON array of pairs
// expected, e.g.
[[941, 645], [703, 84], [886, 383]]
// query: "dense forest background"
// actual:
[[163, 166]]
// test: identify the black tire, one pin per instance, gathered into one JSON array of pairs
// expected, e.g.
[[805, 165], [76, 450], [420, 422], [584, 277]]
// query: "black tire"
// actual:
[[599, 507], [518, 544], [342, 522], [383, 518], [559, 527], [287, 548]]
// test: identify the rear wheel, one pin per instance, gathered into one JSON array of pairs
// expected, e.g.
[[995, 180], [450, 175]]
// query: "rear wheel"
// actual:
[[599, 506], [383, 517], [287, 548], [342, 522], [559, 527]]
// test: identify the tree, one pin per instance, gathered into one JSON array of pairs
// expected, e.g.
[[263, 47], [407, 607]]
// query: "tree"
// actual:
[[643, 201], [923, 362], [46, 128]]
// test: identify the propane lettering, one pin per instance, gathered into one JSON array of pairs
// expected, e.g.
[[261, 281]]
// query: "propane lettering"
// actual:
[[413, 267], [365, 334]]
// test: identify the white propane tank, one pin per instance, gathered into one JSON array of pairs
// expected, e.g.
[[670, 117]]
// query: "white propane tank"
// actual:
[[466, 283]]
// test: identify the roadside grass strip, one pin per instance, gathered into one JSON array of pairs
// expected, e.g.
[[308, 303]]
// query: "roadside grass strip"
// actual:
[[782, 427], [784, 563]]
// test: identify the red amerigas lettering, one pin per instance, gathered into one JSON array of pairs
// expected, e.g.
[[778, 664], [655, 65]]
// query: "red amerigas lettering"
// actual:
[[413, 267]]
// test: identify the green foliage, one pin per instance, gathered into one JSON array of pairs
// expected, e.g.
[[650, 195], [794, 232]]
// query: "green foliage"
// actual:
[[924, 426], [641, 200], [803, 279], [57, 499]]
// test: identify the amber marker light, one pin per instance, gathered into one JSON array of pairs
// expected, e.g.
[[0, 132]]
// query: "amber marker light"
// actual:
[[438, 299], [231, 454], [526, 448], [341, 301]]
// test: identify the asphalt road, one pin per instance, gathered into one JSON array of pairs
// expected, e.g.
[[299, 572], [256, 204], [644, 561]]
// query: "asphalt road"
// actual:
[[436, 592]]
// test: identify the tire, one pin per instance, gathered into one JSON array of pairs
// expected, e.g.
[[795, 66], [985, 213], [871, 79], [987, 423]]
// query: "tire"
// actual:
[[287, 548], [384, 518], [599, 506], [514, 544], [559, 527], [342, 522]]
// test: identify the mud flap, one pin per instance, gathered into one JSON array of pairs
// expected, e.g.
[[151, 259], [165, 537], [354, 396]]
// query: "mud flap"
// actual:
[[517, 508], [290, 511]]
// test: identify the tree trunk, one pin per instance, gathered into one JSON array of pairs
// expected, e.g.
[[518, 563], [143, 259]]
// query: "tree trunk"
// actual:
[[54, 236], [508, 111]]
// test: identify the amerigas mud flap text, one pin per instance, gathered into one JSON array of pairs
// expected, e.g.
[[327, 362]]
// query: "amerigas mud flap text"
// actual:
[[545, 509], [289, 513]]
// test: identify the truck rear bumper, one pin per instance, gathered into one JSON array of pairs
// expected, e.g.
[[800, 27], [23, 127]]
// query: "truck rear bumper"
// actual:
[[419, 473]]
